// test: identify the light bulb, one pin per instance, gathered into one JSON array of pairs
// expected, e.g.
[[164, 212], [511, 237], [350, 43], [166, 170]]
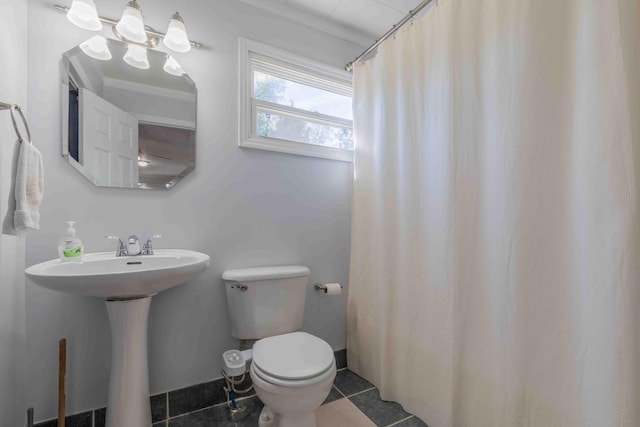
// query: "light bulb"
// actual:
[[176, 38], [136, 56], [83, 13], [130, 25], [172, 67], [97, 48]]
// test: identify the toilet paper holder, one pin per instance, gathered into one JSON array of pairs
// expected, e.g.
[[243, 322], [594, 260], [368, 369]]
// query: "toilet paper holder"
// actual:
[[323, 287]]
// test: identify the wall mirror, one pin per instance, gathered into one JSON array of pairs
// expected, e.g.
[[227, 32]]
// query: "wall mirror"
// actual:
[[127, 127]]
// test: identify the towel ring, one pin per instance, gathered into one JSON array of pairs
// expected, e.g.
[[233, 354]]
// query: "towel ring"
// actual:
[[24, 122]]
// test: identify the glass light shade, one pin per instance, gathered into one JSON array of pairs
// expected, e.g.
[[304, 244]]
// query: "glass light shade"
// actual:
[[141, 162], [130, 25], [83, 13], [97, 48], [176, 38], [171, 66], [136, 56]]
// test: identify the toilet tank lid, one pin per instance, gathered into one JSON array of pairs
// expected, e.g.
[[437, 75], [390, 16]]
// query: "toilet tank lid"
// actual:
[[265, 273]]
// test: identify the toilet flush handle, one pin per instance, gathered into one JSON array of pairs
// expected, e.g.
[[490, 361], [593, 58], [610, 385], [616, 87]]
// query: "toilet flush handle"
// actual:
[[240, 286]]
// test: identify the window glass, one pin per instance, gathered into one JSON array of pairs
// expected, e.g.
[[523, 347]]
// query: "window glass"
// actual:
[[274, 125], [292, 94], [295, 105]]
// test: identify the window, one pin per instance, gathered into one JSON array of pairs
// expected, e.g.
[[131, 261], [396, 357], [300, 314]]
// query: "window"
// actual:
[[294, 105]]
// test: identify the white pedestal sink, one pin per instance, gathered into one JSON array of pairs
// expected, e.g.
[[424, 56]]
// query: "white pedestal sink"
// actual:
[[127, 285]]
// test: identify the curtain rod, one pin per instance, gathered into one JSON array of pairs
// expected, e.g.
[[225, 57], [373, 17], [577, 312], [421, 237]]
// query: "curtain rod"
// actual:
[[396, 27]]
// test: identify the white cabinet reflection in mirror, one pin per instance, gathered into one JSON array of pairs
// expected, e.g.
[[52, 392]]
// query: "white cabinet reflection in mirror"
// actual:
[[126, 127]]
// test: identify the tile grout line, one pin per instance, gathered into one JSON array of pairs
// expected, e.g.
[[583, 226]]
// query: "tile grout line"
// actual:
[[401, 421], [360, 392], [194, 412]]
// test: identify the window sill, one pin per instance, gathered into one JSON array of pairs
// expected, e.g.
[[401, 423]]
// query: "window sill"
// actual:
[[301, 149]]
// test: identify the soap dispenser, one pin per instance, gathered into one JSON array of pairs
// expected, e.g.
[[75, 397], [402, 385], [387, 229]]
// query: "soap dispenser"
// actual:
[[70, 248]]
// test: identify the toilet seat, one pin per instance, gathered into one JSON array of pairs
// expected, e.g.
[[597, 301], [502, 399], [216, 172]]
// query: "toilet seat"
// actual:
[[292, 384], [296, 359]]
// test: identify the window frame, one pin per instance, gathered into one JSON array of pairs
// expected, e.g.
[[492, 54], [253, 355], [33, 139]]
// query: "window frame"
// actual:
[[254, 56]]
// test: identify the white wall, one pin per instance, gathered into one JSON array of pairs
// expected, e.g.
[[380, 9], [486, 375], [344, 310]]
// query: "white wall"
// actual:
[[242, 207], [13, 89]]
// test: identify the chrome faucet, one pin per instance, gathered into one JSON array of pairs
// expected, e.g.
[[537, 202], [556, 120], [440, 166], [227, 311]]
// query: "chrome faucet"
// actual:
[[132, 247], [147, 248], [121, 249]]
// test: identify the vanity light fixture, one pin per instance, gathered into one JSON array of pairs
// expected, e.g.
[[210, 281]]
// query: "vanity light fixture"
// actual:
[[131, 30], [97, 48], [83, 13], [176, 38], [136, 56], [131, 26], [172, 67]]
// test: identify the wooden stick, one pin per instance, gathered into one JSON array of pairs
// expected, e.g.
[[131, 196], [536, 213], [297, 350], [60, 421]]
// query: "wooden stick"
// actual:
[[62, 371]]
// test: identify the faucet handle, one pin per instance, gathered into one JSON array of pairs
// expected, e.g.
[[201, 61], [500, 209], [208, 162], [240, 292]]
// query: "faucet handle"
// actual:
[[147, 248], [121, 249]]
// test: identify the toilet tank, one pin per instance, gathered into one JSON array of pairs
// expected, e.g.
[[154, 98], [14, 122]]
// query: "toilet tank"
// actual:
[[265, 301]]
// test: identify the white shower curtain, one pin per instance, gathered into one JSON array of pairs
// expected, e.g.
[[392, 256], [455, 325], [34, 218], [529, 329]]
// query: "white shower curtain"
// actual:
[[495, 235]]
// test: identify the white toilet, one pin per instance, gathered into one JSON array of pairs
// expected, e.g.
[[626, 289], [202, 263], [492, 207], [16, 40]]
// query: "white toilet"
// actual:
[[292, 372]]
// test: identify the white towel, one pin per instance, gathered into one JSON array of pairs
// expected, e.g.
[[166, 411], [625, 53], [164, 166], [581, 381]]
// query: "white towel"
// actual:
[[29, 188]]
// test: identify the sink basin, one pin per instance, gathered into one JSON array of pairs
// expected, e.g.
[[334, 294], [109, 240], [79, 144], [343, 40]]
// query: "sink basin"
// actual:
[[106, 276], [127, 285]]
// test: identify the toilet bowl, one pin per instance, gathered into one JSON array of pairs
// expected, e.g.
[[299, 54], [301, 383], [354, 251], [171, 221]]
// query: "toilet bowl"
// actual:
[[292, 375], [292, 372]]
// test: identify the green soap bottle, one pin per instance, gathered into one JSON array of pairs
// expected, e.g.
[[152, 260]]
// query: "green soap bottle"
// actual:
[[70, 248]]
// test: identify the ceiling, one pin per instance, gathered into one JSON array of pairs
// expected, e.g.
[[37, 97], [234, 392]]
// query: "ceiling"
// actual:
[[359, 21]]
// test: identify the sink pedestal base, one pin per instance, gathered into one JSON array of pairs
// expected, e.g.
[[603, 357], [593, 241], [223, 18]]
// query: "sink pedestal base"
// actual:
[[128, 403]]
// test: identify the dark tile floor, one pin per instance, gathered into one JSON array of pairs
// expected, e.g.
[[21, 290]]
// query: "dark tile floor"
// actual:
[[346, 385]]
